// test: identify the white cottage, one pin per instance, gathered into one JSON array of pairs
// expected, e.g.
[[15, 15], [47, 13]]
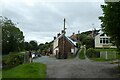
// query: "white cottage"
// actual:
[[103, 41]]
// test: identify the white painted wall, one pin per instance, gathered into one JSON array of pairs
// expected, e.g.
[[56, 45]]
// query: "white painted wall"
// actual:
[[55, 44], [54, 51]]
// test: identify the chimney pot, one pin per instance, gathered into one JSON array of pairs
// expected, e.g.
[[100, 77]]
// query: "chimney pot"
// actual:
[[73, 33], [63, 31], [54, 38], [58, 34]]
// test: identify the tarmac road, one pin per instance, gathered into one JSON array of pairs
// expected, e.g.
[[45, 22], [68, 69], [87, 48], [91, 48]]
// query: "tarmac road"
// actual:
[[76, 68]]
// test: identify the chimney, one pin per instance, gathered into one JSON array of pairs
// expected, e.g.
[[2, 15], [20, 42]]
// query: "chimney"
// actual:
[[58, 34], [63, 31], [73, 33], [54, 38]]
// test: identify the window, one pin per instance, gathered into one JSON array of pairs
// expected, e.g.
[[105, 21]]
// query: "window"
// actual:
[[72, 50], [100, 40], [104, 40]]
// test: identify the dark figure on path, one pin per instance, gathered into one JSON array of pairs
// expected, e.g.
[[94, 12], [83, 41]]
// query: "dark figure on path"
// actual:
[[30, 56]]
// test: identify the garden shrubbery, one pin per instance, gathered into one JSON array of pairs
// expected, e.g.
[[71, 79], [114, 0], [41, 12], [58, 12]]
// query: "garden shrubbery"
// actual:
[[12, 60], [81, 54], [91, 53]]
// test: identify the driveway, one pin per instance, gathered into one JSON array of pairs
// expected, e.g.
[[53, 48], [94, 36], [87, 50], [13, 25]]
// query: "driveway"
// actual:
[[76, 68]]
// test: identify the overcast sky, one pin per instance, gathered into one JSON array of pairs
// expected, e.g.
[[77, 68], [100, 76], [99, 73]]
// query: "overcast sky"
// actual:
[[41, 20]]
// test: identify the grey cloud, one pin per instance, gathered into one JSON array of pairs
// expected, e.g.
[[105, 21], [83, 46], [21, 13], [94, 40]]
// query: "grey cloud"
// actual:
[[42, 21]]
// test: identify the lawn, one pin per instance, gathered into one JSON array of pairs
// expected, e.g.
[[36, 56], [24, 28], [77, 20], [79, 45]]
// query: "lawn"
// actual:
[[30, 70], [81, 54]]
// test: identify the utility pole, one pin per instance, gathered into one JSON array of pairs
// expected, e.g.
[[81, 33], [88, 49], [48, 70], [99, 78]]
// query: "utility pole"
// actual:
[[64, 26], [63, 54], [78, 39], [93, 35]]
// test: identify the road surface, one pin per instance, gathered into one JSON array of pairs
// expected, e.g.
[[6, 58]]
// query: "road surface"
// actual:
[[76, 68]]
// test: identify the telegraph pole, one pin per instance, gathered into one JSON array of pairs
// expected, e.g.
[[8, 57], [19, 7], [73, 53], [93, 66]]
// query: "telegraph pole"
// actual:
[[64, 25], [64, 40]]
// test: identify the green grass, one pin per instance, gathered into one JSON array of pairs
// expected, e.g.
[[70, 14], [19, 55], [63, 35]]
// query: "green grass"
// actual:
[[98, 59], [103, 59], [118, 56], [0, 73], [30, 70], [81, 54], [102, 49]]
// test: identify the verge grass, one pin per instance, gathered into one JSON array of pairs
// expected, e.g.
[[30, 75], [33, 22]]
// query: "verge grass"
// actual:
[[30, 70]]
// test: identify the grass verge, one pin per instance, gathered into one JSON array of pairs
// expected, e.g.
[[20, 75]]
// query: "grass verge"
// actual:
[[0, 73], [102, 49], [99, 59], [81, 54], [30, 70]]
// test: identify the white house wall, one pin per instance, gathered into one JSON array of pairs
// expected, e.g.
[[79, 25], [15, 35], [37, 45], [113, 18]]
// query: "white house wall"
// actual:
[[55, 45], [76, 50], [54, 51]]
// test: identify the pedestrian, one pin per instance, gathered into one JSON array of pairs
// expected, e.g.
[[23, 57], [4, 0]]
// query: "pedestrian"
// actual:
[[30, 56]]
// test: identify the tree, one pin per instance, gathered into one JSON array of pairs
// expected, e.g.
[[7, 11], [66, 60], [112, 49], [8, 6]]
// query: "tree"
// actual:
[[34, 45], [27, 46], [86, 39], [111, 21], [12, 37]]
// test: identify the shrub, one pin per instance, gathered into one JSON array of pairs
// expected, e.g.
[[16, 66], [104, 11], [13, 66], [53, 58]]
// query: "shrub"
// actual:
[[91, 53], [81, 54], [12, 60]]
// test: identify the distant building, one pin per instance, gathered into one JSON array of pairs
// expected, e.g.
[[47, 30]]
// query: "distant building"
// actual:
[[63, 46], [74, 37], [103, 41]]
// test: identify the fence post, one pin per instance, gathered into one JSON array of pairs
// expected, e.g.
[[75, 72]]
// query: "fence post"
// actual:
[[106, 55]]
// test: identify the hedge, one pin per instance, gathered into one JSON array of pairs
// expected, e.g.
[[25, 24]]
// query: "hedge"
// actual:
[[13, 59], [92, 53]]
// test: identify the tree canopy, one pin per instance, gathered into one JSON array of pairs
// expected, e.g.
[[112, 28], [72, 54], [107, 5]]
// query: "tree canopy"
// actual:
[[12, 37], [111, 21], [34, 45]]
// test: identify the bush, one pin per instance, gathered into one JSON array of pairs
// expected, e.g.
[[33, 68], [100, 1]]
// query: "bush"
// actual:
[[91, 53], [81, 54], [12, 60]]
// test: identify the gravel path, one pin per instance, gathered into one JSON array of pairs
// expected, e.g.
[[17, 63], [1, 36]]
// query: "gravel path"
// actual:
[[76, 68]]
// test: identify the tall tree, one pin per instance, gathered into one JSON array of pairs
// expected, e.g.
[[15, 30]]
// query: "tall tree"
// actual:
[[111, 21], [12, 37]]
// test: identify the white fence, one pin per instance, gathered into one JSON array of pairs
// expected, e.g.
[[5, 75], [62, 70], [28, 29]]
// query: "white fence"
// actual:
[[108, 55]]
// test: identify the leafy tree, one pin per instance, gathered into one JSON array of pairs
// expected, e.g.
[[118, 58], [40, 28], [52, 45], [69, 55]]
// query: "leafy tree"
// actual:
[[88, 41], [111, 21], [45, 47], [0, 39], [27, 46], [34, 45], [85, 39], [12, 37]]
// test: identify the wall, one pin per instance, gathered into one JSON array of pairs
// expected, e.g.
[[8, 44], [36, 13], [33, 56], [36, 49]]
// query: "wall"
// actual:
[[55, 45], [67, 46]]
